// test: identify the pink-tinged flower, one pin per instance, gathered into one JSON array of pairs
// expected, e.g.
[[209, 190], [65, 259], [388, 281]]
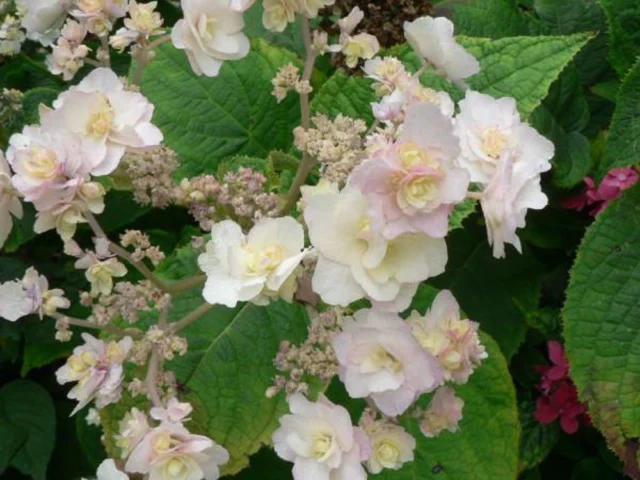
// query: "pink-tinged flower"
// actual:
[[380, 358], [10, 205], [613, 184], [559, 398], [321, 441], [171, 451], [132, 429], [97, 367], [514, 189], [102, 111], [174, 412], [109, 471], [415, 185], [444, 413], [452, 340], [489, 127], [31, 295], [51, 165]]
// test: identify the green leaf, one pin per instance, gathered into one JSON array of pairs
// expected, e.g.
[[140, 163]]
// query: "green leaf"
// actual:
[[623, 145], [623, 18], [348, 95], [32, 100], [486, 447], [228, 367], [89, 439], [569, 17], [228, 370], [12, 439], [601, 320], [25, 405], [523, 67], [537, 439], [461, 212], [607, 90], [493, 19], [208, 119], [499, 294], [41, 348]]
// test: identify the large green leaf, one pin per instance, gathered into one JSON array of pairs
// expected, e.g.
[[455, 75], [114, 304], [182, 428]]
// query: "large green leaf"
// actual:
[[349, 95], [26, 409], [623, 144], [229, 366], [623, 17], [486, 447], [499, 294], [493, 19], [601, 321], [537, 439], [522, 67], [208, 119]]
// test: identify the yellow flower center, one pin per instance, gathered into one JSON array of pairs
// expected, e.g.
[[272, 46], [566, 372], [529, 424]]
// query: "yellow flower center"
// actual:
[[321, 444], [420, 192], [175, 468], [207, 27], [412, 156], [387, 454], [493, 142], [264, 261], [379, 359], [42, 164], [163, 443], [100, 121]]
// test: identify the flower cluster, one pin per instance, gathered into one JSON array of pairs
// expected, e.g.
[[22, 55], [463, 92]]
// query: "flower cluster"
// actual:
[[559, 400], [598, 199], [242, 195], [30, 295]]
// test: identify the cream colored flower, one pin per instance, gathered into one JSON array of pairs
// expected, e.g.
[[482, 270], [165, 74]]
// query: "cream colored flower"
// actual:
[[210, 33]]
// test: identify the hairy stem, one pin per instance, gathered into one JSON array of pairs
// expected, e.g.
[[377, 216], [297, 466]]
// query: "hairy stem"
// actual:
[[87, 324], [104, 44], [190, 318], [153, 372], [142, 57], [307, 163]]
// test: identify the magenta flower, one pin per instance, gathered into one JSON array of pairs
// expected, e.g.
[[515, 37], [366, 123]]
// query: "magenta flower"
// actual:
[[559, 400], [613, 184]]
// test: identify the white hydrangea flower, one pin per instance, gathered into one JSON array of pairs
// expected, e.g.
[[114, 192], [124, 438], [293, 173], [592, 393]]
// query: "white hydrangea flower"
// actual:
[[356, 261], [242, 5], [109, 471], [391, 446], [11, 36], [31, 295], [514, 189], [361, 46], [144, 19], [432, 39], [170, 451], [242, 268], [43, 18], [100, 273], [175, 411], [488, 127], [65, 59], [93, 417], [444, 413], [452, 340], [321, 441], [279, 13], [379, 357], [10, 205], [132, 429], [64, 218], [311, 8], [210, 33], [102, 111], [97, 367]]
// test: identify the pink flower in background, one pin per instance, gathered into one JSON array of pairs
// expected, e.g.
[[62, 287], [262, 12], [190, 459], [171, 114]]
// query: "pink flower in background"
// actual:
[[559, 400], [613, 184]]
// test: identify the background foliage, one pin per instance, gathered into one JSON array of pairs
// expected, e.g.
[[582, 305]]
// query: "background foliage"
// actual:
[[572, 67]]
